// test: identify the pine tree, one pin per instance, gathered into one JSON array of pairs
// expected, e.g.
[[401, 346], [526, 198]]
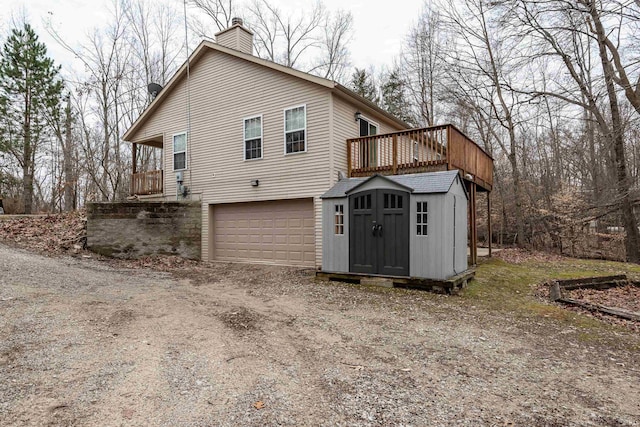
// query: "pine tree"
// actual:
[[394, 98], [30, 86], [362, 83]]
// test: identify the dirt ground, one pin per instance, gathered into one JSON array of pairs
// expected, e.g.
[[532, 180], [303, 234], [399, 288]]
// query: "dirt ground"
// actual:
[[86, 343]]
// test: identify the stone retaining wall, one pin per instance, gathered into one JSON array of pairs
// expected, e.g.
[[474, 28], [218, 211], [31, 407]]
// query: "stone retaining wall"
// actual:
[[135, 229]]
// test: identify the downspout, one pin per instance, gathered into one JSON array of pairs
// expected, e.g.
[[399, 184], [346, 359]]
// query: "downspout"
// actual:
[[188, 86]]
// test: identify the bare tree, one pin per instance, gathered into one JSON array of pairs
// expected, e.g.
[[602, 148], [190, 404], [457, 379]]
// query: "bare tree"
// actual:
[[615, 40], [285, 38], [560, 29], [482, 66], [312, 40], [333, 59], [120, 60], [422, 63], [221, 12], [61, 121]]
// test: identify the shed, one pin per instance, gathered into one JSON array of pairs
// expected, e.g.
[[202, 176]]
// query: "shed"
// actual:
[[401, 225]]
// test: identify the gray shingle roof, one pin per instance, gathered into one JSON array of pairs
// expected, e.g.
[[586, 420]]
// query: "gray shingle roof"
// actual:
[[341, 187], [419, 183]]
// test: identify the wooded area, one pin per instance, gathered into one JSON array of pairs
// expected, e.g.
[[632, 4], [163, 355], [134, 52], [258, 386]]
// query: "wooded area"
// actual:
[[550, 89]]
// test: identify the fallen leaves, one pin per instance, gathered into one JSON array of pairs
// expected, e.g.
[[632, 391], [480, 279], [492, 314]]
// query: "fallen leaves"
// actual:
[[259, 404], [519, 256], [624, 297], [53, 234]]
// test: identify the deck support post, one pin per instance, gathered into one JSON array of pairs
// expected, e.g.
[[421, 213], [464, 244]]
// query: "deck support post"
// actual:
[[134, 163], [489, 221], [473, 244]]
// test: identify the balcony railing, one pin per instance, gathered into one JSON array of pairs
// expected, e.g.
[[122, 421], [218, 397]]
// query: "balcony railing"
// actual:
[[144, 183], [420, 150]]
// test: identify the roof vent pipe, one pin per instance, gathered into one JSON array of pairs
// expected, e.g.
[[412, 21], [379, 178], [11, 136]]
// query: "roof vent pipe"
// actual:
[[235, 21]]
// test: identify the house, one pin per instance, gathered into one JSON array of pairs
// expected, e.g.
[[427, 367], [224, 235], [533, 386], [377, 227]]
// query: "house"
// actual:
[[400, 225], [258, 144]]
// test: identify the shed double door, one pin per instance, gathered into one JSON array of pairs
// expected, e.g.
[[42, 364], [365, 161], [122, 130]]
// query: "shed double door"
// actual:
[[379, 232]]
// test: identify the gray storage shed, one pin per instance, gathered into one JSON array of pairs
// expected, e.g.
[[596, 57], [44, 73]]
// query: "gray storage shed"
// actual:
[[400, 225]]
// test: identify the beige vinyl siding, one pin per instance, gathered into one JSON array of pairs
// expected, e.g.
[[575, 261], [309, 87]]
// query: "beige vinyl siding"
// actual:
[[170, 118], [236, 38], [224, 90], [345, 126]]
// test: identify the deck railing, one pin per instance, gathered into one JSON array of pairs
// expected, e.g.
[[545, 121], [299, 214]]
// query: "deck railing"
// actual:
[[144, 183], [419, 150]]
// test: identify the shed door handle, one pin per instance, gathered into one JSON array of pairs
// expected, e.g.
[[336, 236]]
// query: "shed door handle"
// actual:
[[374, 228], [380, 229]]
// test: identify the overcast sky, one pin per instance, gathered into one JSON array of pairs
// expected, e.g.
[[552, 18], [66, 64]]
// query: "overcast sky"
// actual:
[[379, 27]]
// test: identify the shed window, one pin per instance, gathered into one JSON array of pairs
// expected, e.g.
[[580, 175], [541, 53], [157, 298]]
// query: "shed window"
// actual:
[[179, 151], [363, 202], [295, 130], [392, 201], [253, 138], [339, 220], [422, 220]]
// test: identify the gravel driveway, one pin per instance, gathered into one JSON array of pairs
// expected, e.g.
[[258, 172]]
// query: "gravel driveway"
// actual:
[[83, 343]]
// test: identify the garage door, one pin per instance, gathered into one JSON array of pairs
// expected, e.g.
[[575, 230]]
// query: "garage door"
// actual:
[[276, 232]]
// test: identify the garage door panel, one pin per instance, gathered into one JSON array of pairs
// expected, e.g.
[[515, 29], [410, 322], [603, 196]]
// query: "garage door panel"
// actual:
[[295, 240], [281, 232], [295, 223]]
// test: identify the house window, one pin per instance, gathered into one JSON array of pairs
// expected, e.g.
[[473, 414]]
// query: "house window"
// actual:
[[295, 130], [338, 220], [422, 220], [367, 128], [179, 151], [368, 147], [253, 138]]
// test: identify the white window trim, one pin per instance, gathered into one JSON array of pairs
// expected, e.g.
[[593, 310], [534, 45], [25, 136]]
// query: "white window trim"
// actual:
[[173, 153], [377, 125], [284, 130], [335, 216], [371, 122], [420, 223], [244, 138]]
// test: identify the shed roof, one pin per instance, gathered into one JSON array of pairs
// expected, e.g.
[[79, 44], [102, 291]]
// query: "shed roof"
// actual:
[[418, 183]]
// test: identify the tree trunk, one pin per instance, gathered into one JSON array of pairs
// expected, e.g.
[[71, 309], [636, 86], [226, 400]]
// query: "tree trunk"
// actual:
[[67, 161], [27, 189], [517, 193], [632, 238], [27, 165]]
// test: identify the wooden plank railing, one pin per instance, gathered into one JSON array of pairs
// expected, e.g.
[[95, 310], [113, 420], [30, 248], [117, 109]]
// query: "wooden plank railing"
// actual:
[[144, 183], [472, 160], [419, 150]]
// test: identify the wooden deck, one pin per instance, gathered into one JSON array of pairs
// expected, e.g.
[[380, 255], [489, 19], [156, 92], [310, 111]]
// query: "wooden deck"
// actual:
[[420, 150], [146, 183]]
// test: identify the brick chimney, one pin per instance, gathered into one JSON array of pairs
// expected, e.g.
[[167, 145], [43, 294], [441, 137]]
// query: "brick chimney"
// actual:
[[236, 37]]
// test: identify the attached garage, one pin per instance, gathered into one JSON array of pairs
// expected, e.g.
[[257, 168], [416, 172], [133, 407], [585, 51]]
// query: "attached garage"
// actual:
[[272, 232]]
